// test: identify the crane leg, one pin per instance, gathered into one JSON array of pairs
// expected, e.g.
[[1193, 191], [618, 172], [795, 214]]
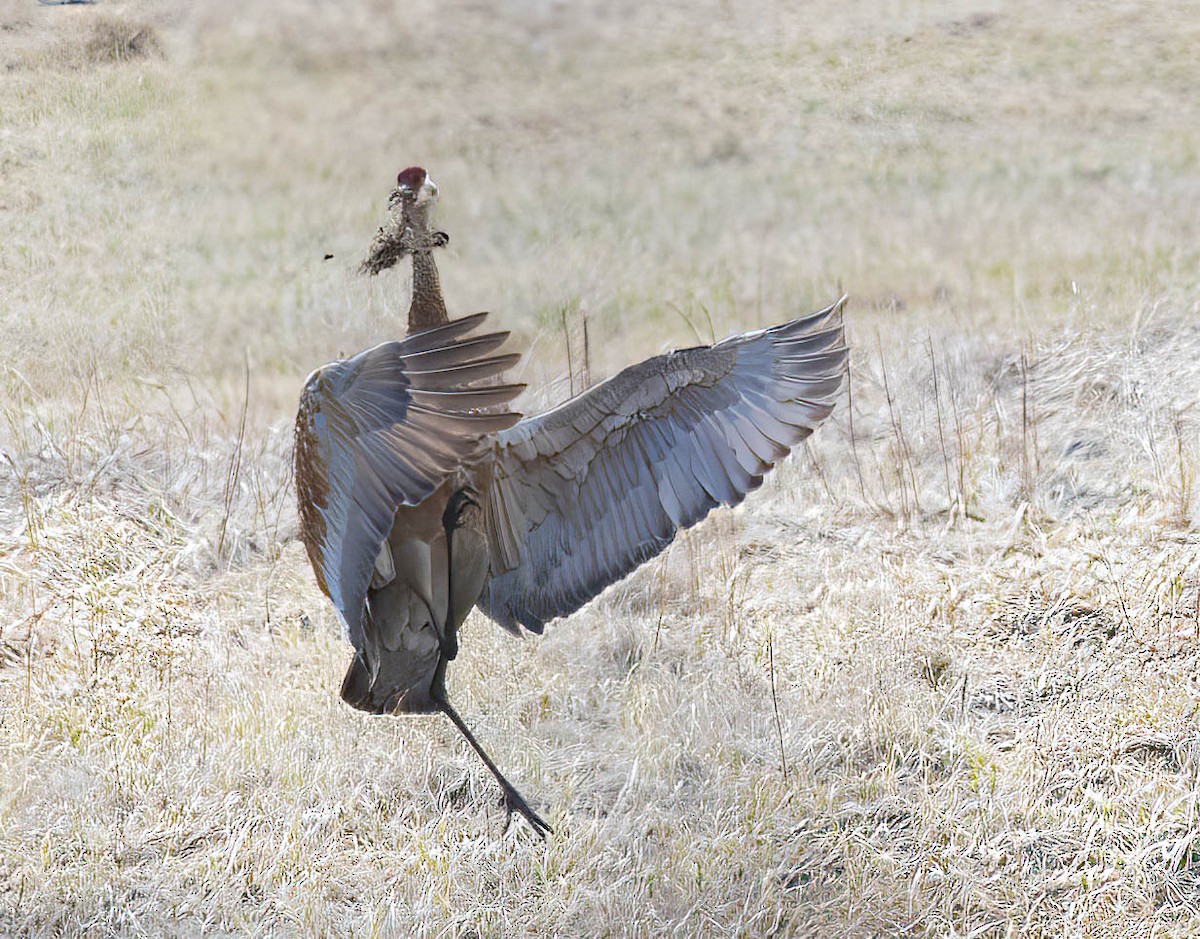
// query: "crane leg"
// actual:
[[513, 800], [451, 517]]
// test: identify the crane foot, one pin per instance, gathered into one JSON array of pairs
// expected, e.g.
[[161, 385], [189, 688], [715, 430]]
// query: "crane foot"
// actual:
[[512, 800]]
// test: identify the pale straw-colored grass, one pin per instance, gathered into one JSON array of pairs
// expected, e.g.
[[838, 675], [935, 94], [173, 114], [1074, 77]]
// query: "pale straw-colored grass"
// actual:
[[976, 592]]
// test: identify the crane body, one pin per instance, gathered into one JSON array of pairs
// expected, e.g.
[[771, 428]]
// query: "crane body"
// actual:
[[422, 495]]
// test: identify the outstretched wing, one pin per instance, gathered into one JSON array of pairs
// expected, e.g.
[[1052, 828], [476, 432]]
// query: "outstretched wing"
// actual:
[[383, 429], [582, 495]]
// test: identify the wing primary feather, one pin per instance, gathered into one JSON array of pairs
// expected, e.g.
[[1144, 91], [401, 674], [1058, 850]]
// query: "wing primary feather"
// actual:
[[488, 396], [477, 423], [810, 388], [440, 357], [456, 376], [442, 334], [815, 363], [819, 341]]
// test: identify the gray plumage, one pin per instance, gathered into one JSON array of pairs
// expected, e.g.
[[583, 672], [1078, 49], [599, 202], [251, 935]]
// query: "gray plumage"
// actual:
[[584, 494]]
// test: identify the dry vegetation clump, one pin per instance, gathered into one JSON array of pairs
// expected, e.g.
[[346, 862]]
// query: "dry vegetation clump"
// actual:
[[74, 39], [121, 40], [937, 678]]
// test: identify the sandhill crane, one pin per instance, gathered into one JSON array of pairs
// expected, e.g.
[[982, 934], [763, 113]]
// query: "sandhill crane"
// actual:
[[423, 495]]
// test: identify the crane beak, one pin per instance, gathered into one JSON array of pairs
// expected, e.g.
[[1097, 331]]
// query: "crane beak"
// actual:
[[428, 192]]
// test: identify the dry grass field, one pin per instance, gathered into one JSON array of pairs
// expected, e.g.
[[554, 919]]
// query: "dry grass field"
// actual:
[[976, 593]]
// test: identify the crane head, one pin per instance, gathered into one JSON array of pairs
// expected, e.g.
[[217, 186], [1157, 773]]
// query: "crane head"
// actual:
[[414, 187]]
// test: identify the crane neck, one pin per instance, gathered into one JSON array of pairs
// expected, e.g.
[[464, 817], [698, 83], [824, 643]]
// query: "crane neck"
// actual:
[[428, 308]]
